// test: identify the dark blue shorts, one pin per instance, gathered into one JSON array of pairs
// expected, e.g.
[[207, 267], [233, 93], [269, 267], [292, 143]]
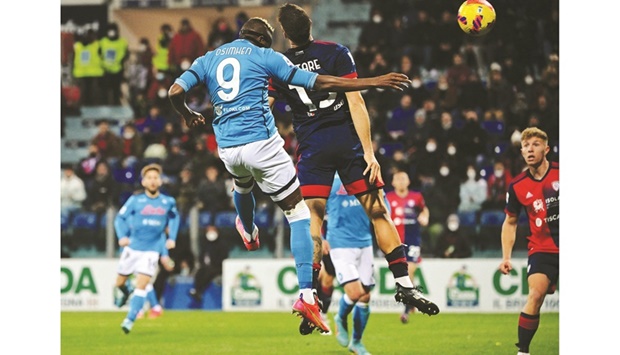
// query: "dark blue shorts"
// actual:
[[544, 263], [336, 150]]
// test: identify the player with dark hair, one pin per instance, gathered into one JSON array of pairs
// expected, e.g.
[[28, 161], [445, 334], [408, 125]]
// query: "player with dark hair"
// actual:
[[409, 213], [333, 131], [236, 75], [140, 225], [537, 191]]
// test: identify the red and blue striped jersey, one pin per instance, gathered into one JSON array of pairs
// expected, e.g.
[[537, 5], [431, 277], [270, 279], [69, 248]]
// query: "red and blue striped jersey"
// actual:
[[405, 212], [541, 201]]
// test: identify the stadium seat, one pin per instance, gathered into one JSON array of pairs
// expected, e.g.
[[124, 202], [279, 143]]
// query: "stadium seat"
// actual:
[[490, 229], [225, 219], [85, 226], [205, 219]]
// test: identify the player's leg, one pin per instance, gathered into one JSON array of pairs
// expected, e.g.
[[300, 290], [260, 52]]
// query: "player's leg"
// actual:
[[543, 271], [277, 178], [389, 242], [156, 308], [124, 269], [326, 278], [317, 213], [243, 197], [361, 311], [145, 269]]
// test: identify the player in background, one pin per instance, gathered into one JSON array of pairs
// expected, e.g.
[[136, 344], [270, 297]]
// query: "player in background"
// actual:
[[333, 131], [236, 76], [350, 245], [409, 213], [155, 308], [140, 225], [537, 191]]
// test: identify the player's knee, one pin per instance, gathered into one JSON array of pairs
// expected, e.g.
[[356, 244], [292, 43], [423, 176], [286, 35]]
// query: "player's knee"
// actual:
[[244, 185], [296, 213]]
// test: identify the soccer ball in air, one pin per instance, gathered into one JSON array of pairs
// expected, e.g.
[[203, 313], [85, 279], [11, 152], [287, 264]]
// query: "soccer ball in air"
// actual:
[[476, 17]]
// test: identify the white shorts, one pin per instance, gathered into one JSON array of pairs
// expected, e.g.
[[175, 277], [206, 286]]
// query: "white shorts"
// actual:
[[353, 264], [267, 162], [137, 262]]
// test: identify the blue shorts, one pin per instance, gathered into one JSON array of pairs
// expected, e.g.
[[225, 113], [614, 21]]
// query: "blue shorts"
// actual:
[[337, 150], [545, 263]]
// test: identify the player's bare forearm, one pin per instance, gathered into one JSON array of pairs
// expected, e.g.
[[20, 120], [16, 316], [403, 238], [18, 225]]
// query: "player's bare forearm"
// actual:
[[509, 235], [176, 95], [396, 81]]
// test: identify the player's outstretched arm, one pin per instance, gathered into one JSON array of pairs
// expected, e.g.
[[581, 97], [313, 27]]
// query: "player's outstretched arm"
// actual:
[[176, 94], [396, 81], [509, 234]]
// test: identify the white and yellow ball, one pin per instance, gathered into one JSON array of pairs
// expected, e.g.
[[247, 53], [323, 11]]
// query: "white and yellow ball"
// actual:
[[476, 17]]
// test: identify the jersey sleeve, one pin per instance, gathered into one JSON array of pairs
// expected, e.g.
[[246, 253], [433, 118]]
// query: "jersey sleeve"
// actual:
[[121, 221], [513, 206], [174, 220], [345, 64], [281, 68], [191, 77]]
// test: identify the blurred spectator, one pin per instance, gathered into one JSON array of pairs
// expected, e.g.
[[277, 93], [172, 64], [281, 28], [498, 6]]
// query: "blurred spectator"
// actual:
[[240, 19], [184, 191], [86, 167], [500, 93], [497, 185], [157, 95], [212, 191], [400, 117], [155, 153], [102, 190], [115, 52], [139, 74], [548, 116], [446, 95], [160, 57], [427, 159], [185, 47], [133, 146], [372, 37], [201, 158], [421, 38], [398, 38], [418, 91], [88, 68], [72, 190], [221, 33], [473, 140], [214, 250], [452, 243], [407, 66], [458, 73], [379, 65], [151, 126], [109, 143], [418, 132], [175, 160], [472, 191], [170, 134], [473, 95], [442, 199], [444, 131], [447, 40]]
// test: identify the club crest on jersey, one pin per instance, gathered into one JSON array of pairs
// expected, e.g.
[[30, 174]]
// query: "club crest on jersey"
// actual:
[[538, 205], [556, 185]]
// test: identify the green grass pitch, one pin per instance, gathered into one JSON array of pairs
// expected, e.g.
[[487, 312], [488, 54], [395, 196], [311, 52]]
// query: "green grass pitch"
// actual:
[[207, 332]]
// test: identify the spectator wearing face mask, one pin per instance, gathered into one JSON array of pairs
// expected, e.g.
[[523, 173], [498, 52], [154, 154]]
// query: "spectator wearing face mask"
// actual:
[[372, 36], [88, 68], [115, 52], [452, 242], [472, 191], [221, 33], [426, 161], [497, 187], [442, 199], [445, 131], [473, 138], [186, 45], [214, 250], [133, 146]]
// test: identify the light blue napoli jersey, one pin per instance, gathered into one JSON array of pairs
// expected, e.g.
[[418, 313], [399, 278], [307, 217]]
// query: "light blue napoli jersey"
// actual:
[[348, 225], [144, 220], [237, 78]]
